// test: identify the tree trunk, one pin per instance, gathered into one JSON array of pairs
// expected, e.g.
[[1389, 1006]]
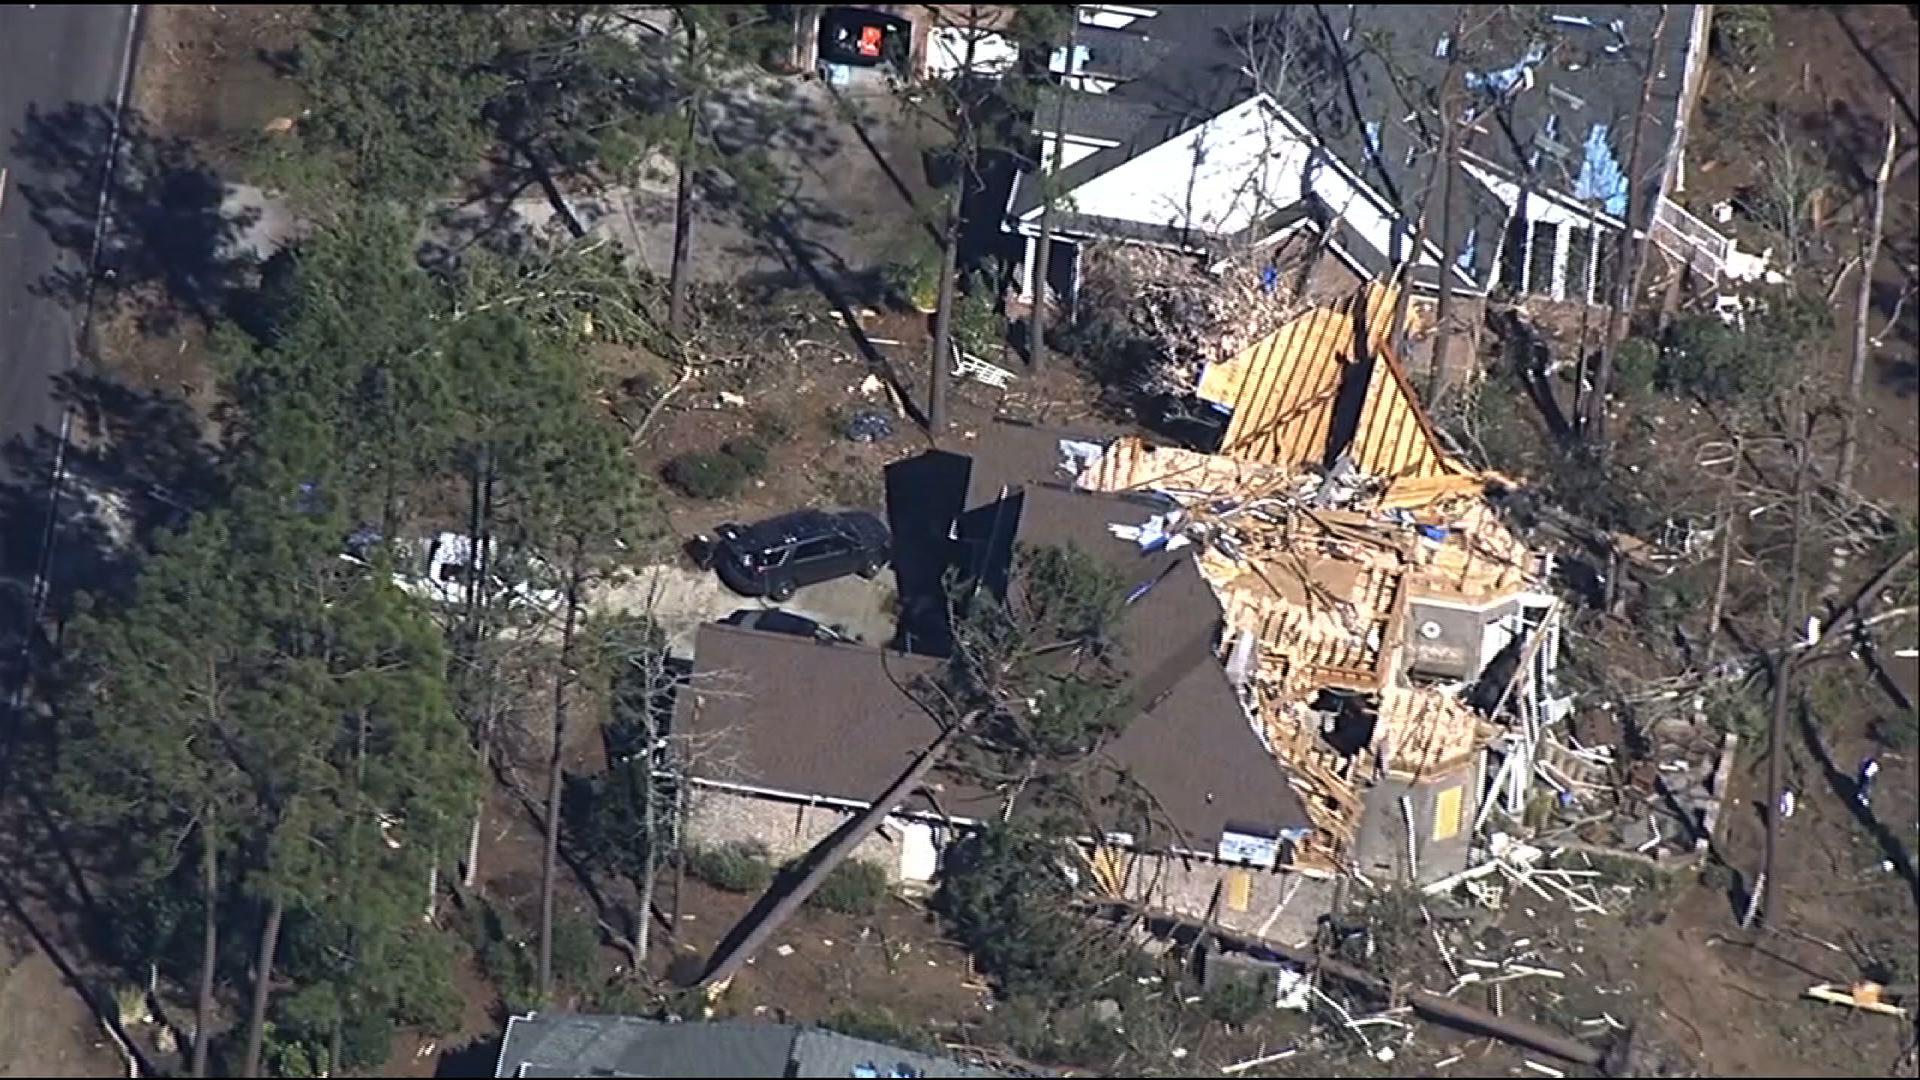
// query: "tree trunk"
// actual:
[[643, 934], [209, 940], [550, 858], [683, 203], [1438, 374], [1783, 671], [1043, 258], [729, 964], [943, 316], [262, 982], [1626, 274], [476, 643], [964, 148], [1862, 308]]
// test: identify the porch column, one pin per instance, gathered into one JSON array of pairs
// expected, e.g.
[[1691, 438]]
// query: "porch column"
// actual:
[[1593, 261], [1560, 263], [1029, 248]]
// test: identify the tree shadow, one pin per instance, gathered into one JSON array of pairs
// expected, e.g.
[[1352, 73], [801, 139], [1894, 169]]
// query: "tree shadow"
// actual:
[[476, 1058], [136, 463], [1846, 788], [1901, 376], [1894, 88], [167, 228]]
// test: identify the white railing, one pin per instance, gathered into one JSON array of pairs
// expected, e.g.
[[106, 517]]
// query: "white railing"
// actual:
[[1692, 241]]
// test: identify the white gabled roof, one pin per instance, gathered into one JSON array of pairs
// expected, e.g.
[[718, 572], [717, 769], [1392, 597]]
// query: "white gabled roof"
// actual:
[[1233, 170]]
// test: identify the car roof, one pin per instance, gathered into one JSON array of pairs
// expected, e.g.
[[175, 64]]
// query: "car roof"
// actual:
[[774, 620], [786, 528]]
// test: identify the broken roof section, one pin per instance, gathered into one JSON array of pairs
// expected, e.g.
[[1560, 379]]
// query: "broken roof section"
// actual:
[[1325, 386]]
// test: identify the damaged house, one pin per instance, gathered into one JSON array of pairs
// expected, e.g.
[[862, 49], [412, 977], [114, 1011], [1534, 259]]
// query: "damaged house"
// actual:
[[814, 730], [1227, 132]]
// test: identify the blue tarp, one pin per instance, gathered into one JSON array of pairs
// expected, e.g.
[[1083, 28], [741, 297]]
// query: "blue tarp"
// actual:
[[1601, 177]]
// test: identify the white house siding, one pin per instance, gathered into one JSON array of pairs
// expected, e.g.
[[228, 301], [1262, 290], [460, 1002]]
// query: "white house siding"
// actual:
[[1277, 903], [787, 829]]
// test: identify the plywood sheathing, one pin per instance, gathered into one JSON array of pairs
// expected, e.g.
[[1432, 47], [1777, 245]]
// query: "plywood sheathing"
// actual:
[[1422, 732], [1284, 394]]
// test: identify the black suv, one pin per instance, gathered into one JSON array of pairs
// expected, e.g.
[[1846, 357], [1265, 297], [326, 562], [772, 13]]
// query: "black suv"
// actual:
[[777, 556]]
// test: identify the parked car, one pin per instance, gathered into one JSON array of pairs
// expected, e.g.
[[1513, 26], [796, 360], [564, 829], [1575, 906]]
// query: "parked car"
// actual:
[[776, 621], [778, 555]]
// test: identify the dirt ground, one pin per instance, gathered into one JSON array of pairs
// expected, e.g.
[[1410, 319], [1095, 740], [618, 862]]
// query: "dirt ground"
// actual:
[[45, 1029], [1839, 72]]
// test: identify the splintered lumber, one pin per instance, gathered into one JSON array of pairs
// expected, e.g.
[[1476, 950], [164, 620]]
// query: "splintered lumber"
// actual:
[[1425, 1002], [1865, 996]]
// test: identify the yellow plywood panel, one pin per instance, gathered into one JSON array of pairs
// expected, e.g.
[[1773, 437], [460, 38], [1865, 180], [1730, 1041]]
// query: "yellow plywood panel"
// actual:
[[1446, 813], [1282, 393], [1108, 869], [1239, 890]]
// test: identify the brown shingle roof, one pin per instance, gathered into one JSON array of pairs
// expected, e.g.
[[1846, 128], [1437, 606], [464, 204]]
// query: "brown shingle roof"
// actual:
[[806, 718], [1193, 747], [836, 721]]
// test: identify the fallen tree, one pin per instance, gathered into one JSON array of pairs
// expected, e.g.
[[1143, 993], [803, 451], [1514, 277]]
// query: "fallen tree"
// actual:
[[1425, 1002]]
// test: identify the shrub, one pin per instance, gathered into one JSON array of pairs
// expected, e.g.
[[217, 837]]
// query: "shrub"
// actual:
[[500, 944], [750, 451], [1636, 363], [706, 476], [576, 949], [772, 427], [978, 328], [738, 867], [913, 279], [852, 888], [878, 1024], [1743, 33], [1899, 730], [1720, 362], [1235, 1002]]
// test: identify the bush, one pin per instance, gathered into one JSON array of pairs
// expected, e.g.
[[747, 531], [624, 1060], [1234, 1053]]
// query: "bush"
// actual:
[[706, 476], [878, 1024], [913, 280], [501, 945], [1720, 362], [978, 328], [738, 868], [750, 451], [773, 428], [1235, 1002], [1636, 363], [1743, 33], [1897, 730], [852, 888], [576, 950]]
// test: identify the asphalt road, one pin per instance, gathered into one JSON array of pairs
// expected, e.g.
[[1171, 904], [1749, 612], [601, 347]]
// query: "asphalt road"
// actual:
[[50, 55]]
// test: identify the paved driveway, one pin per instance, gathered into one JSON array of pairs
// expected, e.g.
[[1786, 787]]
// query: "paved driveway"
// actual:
[[682, 598]]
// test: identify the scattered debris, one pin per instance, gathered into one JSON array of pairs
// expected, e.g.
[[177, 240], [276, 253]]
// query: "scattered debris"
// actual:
[[1868, 996], [868, 426], [966, 366]]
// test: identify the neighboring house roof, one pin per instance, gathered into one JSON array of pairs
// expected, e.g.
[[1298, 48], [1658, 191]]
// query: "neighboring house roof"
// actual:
[[569, 1044], [1557, 98]]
